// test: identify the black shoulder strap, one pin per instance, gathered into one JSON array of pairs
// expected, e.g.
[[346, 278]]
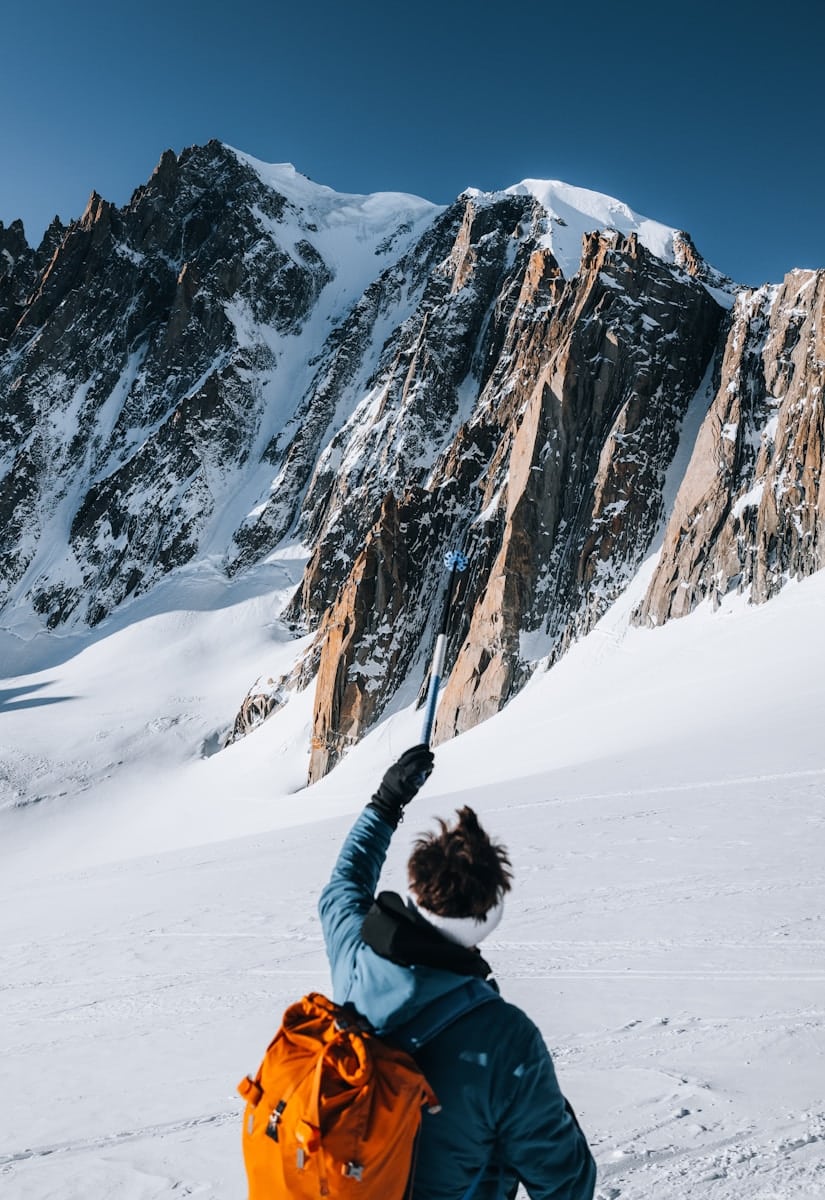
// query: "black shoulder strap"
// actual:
[[435, 1018]]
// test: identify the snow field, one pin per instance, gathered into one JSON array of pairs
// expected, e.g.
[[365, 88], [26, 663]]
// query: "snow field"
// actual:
[[660, 792]]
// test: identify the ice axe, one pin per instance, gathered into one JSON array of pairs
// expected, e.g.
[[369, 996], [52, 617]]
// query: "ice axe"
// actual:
[[455, 562]]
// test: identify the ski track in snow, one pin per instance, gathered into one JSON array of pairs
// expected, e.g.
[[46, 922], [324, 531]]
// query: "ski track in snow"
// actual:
[[665, 929], [83, 1145]]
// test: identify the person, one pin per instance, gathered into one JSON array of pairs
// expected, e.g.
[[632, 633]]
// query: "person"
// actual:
[[503, 1118]]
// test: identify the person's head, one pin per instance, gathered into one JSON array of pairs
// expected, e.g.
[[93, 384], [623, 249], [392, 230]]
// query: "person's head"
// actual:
[[458, 878]]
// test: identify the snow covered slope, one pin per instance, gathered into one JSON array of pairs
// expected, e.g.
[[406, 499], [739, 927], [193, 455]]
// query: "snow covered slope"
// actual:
[[661, 793]]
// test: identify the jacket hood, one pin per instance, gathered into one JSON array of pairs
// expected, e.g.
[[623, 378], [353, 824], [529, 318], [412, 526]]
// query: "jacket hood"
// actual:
[[403, 964], [400, 933]]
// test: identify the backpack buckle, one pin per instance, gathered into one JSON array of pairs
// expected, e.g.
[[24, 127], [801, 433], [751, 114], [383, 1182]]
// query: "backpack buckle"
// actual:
[[275, 1120], [353, 1171]]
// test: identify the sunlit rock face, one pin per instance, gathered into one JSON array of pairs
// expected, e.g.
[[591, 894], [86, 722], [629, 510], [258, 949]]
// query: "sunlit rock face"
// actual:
[[602, 381], [240, 360], [749, 514]]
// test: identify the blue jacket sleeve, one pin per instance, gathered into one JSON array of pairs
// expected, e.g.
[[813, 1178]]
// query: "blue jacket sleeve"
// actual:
[[348, 896], [539, 1136]]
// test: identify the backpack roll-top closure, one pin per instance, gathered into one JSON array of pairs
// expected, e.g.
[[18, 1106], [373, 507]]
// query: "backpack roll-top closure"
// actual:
[[350, 1058], [344, 1068], [341, 1075]]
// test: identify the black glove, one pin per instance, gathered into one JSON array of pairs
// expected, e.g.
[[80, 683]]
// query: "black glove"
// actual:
[[401, 782]]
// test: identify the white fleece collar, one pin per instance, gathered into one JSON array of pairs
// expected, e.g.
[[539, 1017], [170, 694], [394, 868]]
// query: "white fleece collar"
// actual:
[[463, 931]]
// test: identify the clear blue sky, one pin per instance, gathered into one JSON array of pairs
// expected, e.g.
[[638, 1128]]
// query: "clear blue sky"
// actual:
[[707, 115]]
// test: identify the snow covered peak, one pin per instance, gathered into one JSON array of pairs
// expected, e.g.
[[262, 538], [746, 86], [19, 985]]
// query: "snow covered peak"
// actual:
[[571, 211], [329, 207], [574, 211]]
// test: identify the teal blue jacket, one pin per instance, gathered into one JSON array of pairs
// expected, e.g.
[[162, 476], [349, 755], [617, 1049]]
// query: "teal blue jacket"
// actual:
[[503, 1117]]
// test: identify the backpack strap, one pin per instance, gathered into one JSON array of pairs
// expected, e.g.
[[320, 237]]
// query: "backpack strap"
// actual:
[[435, 1018], [432, 1021]]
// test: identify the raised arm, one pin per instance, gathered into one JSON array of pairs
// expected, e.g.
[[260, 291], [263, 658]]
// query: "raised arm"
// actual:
[[347, 897]]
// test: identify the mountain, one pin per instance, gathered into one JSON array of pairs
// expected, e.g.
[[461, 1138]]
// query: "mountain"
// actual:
[[158, 356], [241, 363]]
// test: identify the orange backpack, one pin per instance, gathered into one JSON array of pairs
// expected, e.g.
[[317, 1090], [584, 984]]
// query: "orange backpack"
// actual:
[[334, 1110]]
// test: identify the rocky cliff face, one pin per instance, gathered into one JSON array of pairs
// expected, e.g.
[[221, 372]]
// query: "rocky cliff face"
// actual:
[[240, 359], [602, 381], [151, 364], [20, 268], [749, 514], [553, 484]]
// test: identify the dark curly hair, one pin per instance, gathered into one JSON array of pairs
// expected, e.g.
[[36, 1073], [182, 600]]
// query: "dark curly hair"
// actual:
[[459, 872]]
